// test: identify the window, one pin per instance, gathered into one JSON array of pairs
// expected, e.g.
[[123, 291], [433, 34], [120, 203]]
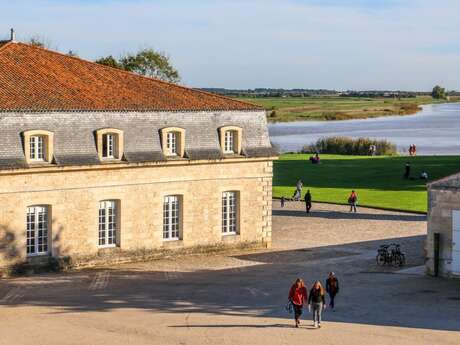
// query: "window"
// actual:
[[171, 143], [37, 148], [171, 217], [109, 143], [108, 223], [229, 213], [37, 230], [231, 139]]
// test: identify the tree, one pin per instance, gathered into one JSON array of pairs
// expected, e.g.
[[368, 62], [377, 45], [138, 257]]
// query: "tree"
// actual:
[[438, 92], [109, 61], [38, 41], [146, 62]]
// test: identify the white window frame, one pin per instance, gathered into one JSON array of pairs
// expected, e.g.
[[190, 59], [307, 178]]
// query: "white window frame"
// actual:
[[37, 230], [108, 231], [229, 141], [172, 141], [172, 226], [109, 145], [37, 148], [230, 213]]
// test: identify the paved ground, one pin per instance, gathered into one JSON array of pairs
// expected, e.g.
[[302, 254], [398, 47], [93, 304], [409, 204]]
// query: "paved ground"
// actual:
[[239, 298]]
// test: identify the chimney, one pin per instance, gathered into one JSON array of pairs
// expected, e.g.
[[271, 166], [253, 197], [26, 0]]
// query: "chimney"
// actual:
[[13, 35]]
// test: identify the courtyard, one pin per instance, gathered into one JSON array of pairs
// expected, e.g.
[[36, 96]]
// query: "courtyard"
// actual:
[[239, 297]]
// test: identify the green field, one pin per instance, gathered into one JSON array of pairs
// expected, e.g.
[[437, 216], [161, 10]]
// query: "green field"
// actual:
[[281, 109], [377, 180]]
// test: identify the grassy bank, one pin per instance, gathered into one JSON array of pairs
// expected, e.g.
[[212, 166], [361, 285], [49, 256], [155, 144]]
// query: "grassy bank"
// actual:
[[338, 108], [378, 180]]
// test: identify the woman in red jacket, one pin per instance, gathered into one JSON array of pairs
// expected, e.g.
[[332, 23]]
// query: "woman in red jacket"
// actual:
[[298, 296]]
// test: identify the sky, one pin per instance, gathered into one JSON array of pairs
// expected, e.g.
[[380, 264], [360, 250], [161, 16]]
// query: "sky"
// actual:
[[332, 44]]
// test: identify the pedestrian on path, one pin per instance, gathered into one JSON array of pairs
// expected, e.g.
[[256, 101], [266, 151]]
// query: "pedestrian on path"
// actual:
[[308, 201], [283, 201], [353, 200], [332, 288], [316, 303], [298, 296]]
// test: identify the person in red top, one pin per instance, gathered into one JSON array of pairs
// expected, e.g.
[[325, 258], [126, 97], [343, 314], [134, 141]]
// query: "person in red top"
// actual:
[[298, 296]]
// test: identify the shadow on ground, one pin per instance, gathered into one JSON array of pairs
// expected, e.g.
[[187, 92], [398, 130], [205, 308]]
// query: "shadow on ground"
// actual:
[[349, 215], [367, 296]]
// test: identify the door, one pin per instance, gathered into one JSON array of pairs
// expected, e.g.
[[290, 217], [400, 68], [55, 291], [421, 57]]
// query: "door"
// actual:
[[456, 242]]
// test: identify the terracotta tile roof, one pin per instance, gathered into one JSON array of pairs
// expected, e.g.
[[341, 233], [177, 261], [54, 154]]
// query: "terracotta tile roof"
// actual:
[[36, 79]]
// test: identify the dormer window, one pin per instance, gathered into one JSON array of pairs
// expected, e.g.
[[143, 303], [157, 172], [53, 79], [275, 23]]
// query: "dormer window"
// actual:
[[173, 141], [109, 144], [230, 139], [38, 146]]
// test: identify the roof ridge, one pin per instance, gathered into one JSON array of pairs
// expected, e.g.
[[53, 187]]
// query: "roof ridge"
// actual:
[[135, 74], [6, 44]]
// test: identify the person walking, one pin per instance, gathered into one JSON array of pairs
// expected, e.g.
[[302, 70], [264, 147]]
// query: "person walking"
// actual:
[[283, 201], [316, 303], [332, 288], [353, 200], [407, 170], [298, 296], [308, 201]]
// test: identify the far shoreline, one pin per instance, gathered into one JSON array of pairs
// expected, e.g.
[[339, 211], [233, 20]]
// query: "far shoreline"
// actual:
[[337, 108]]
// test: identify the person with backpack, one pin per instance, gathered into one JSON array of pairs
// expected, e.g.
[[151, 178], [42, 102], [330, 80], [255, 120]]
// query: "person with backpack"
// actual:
[[332, 288], [316, 303], [308, 201], [298, 296], [353, 200]]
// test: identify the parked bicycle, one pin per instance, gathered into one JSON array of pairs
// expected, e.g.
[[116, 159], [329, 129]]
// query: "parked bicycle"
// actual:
[[390, 254]]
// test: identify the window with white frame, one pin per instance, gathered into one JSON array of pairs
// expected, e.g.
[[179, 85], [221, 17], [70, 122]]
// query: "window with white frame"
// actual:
[[171, 143], [37, 148], [109, 142], [37, 230], [108, 220], [229, 212], [171, 217], [229, 141]]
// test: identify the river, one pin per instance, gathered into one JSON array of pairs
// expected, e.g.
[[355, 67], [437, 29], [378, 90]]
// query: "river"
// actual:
[[435, 130]]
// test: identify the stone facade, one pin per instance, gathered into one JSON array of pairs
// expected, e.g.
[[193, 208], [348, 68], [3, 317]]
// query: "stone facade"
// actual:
[[443, 199], [73, 194]]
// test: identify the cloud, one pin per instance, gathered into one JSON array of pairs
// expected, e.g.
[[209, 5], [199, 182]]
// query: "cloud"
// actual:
[[349, 44]]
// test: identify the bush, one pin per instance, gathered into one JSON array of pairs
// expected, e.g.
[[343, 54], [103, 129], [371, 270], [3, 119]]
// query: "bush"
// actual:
[[350, 146]]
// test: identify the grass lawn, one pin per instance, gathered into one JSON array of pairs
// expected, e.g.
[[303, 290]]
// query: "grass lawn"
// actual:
[[377, 180], [281, 109]]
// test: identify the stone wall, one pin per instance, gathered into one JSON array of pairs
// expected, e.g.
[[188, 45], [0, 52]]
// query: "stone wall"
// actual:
[[441, 203], [73, 195]]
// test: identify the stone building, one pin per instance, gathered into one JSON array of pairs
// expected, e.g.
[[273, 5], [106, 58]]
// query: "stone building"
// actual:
[[443, 242], [98, 163]]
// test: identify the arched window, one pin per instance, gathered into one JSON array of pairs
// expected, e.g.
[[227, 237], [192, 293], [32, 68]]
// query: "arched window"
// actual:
[[173, 141], [38, 146], [109, 144], [230, 140]]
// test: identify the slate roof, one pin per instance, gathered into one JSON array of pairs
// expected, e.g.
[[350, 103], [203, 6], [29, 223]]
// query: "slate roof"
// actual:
[[72, 98], [36, 79], [452, 181]]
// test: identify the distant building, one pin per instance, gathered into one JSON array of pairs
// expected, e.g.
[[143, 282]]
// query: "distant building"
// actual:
[[443, 243], [98, 163]]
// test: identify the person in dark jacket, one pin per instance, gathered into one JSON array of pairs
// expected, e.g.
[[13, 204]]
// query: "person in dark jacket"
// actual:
[[308, 201], [316, 303], [283, 201], [332, 288], [407, 171], [298, 297]]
